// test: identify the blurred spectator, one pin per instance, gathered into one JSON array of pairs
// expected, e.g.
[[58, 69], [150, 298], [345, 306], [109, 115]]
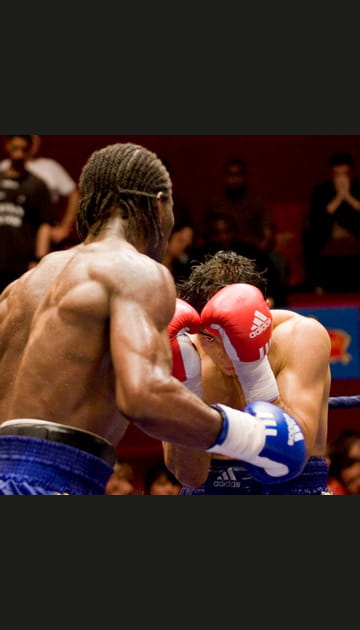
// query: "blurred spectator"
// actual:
[[219, 234], [344, 463], [121, 481], [26, 213], [253, 219], [62, 188], [331, 238], [177, 256], [158, 480]]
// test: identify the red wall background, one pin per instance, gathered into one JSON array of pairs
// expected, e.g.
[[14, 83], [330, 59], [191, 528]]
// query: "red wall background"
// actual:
[[282, 170]]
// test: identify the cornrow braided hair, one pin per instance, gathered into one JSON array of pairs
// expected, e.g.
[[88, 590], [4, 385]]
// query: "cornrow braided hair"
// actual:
[[217, 271], [126, 178]]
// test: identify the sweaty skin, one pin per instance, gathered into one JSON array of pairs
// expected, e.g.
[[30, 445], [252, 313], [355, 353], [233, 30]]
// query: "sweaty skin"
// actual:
[[84, 342], [299, 357]]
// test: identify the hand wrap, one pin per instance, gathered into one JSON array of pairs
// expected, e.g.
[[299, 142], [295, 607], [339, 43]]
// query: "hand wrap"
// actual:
[[264, 436]]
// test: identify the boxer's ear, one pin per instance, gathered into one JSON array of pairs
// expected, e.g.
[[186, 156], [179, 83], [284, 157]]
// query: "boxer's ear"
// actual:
[[164, 206], [160, 200]]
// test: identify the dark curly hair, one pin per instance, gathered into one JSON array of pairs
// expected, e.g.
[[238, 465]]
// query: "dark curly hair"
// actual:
[[216, 272]]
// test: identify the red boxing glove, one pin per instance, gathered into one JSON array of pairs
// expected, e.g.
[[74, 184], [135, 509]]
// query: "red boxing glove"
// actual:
[[185, 319], [240, 314], [186, 359]]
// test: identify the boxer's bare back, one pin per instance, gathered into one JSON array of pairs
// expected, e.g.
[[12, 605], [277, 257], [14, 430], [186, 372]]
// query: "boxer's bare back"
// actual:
[[58, 366]]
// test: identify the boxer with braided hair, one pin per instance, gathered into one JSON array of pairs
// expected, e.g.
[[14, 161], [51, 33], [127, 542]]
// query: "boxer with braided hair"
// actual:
[[270, 365], [84, 340], [139, 176]]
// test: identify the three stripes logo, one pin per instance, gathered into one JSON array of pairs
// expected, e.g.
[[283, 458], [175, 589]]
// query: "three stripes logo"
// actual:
[[227, 479], [260, 323], [294, 433]]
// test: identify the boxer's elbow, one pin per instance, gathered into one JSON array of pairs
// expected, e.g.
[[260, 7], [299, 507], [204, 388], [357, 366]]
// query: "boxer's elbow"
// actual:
[[190, 466], [133, 403], [142, 398], [191, 478]]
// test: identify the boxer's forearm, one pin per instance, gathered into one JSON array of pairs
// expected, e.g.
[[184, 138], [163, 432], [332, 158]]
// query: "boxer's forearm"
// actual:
[[190, 466], [166, 409]]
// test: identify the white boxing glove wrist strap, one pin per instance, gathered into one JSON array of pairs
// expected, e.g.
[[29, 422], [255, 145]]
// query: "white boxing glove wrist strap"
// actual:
[[257, 380], [192, 364], [242, 436]]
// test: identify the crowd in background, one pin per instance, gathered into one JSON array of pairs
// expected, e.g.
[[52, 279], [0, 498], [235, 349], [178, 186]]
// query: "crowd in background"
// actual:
[[155, 480], [38, 204], [344, 462], [33, 222]]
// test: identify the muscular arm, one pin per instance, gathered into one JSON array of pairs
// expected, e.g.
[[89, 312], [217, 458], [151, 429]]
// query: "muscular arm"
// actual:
[[146, 392], [304, 377]]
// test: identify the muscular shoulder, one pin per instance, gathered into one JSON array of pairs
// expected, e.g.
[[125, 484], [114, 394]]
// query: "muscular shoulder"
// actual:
[[128, 275], [128, 271], [23, 296], [296, 335], [154, 283], [288, 322]]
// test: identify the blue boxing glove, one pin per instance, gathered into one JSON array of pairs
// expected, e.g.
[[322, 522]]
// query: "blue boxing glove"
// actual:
[[264, 436], [284, 454]]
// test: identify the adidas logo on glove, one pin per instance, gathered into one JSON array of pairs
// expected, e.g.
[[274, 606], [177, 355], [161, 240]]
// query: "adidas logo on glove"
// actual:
[[260, 323], [295, 433]]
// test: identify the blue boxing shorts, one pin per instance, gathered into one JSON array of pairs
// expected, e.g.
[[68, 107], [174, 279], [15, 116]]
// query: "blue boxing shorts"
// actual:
[[232, 477], [46, 458]]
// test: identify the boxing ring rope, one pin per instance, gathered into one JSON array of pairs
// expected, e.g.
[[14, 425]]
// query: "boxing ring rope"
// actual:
[[338, 402]]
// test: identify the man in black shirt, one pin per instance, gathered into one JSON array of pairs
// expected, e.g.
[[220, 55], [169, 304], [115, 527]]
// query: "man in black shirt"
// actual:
[[332, 235], [26, 213]]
